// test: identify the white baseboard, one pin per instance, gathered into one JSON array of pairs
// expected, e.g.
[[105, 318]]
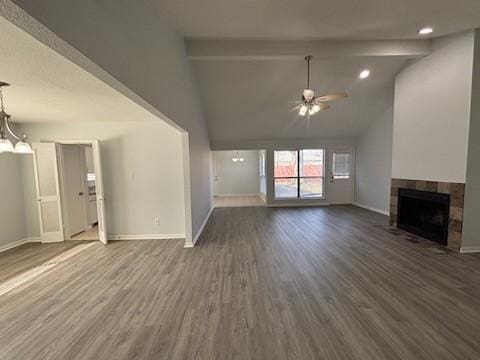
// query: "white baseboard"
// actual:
[[235, 195], [371, 208], [146, 237], [274, 205], [189, 244], [470, 249], [18, 243]]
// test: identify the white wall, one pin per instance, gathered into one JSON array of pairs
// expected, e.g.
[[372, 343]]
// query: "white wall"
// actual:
[[373, 160], [138, 48], [432, 113], [237, 178], [12, 217], [263, 173], [142, 169]]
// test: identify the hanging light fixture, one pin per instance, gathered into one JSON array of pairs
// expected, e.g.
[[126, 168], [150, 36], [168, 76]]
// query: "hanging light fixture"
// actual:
[[310, 104], [21, 147], [238, 158]]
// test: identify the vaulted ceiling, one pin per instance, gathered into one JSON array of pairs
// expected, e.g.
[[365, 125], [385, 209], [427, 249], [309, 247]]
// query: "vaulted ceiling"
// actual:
[[248, 57], [319, 19]]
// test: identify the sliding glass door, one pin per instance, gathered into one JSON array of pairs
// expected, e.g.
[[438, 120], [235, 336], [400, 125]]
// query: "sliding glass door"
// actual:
[[299, 174]]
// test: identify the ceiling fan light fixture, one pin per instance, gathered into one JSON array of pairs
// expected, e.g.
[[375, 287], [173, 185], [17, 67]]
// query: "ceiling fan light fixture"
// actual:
[[308, 94], [303, 110], [309, 104]]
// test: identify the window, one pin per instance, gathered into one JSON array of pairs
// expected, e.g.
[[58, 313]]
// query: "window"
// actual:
[[341, 165], [299, 174]]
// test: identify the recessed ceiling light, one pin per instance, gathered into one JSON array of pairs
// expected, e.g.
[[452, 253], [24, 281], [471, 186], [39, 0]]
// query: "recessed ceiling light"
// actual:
[[426, 31], [364, 74]]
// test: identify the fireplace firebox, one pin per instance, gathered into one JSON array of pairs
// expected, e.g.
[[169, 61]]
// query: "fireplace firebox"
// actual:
[[424, 213]]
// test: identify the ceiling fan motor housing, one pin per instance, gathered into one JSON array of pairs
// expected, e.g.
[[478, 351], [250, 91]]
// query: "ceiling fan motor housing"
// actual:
[[308, 94]]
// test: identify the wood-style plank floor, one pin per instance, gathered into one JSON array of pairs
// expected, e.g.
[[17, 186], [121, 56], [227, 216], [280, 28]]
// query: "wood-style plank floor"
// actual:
[[18, 260], [307, 283]]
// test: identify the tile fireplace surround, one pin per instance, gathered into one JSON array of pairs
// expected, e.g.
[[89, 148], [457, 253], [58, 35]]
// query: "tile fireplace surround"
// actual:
[[456, 191]]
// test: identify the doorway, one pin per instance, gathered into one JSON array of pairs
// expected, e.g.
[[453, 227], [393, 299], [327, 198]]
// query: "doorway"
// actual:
[[77, 183], [341, 177], [69, 184], [239, 178]]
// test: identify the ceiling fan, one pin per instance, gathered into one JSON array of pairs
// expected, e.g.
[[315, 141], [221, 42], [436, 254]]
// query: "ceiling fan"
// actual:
[[310, 104]]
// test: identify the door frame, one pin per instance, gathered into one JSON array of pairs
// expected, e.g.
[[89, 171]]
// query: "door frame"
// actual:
[[63, 192], [340, 149], [100, 200]]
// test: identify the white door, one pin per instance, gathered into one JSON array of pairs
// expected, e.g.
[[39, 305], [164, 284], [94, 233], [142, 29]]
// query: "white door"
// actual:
[[341, 177], [48, 192], [74, 182], [97, 163], [215, 174]]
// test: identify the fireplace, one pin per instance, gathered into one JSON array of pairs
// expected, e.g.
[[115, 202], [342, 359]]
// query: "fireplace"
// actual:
[[424, 213]]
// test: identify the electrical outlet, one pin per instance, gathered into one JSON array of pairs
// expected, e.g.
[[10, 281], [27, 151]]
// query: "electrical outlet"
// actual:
[[156, 220]]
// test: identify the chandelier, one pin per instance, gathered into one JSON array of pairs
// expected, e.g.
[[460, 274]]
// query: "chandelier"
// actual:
[[237, 158], [6, 146]]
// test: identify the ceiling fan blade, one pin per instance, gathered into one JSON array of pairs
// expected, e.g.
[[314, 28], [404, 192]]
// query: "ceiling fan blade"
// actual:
[[322, 105], [332, 97], [296, 107]]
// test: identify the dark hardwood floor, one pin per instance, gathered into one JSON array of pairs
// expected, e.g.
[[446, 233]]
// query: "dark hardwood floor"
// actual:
[[305, 283]]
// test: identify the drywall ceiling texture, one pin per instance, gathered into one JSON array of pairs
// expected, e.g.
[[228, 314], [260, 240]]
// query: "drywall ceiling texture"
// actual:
[[46, 87], [251, 100], [316, 19], [432, 113], [132, 42]]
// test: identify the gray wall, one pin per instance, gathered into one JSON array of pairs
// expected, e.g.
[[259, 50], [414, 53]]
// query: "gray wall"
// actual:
[[131, 41], [373, 160], [238, 178], [432, 113], [471, 223], [12, 218], [142, 170]]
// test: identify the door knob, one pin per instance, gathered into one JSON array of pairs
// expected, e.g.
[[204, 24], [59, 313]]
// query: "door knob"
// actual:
[[80, 193]]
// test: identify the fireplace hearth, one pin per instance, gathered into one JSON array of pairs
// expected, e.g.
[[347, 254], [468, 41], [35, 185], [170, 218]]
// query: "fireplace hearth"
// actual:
[[424, 213]]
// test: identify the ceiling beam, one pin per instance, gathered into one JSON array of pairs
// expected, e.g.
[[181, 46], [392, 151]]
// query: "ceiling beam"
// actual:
[[198, 49]]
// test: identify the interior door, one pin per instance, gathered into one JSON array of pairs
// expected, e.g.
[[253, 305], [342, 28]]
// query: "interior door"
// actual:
[[341, 177], [48, 192], [215, 174], [74, 182], [97, 163]]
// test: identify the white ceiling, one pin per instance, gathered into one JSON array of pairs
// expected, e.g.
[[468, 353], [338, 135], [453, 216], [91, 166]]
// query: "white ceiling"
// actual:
[[46, 87], [319, 19], [250, 100]]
